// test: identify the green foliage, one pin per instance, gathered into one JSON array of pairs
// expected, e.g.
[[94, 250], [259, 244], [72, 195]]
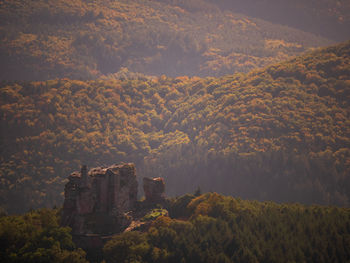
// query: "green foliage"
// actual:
[[153, 214], [178, 206], [224, 229], [37, 237], [280, 133], [129, 247], [79, 39], [218, 229]]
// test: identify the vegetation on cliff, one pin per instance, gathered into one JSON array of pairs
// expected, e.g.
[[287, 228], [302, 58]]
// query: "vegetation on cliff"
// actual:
[[202, 228], [281, 133], [225, 229], [78, 39]]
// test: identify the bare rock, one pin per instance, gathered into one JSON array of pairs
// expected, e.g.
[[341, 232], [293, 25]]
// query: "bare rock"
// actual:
[[96, 201], [154, 189], [102, 202]]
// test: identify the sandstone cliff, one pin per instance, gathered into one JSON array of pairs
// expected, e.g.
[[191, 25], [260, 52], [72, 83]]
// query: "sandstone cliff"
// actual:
[[103, 201], [154, 189], [97, 201]]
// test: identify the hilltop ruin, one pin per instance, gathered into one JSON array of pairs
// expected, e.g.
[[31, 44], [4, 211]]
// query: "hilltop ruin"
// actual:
[[102, 201]]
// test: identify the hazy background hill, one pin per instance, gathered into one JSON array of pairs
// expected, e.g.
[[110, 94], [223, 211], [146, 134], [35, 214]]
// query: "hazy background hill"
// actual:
[[42, 40], [328, 18], [280, 133]]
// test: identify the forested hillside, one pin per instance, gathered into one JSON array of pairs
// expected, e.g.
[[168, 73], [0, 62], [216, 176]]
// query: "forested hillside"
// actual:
[[78, 39], [224, 229], [329, 18], [205, 228], [281, 133], [37, 237]]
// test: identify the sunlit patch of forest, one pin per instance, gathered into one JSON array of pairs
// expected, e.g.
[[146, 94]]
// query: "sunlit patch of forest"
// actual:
[[213, 228], [41, 40], [200, 228], [281, 133]]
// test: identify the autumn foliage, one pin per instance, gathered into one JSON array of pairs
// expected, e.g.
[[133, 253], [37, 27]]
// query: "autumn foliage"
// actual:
[[281, 133], [41, 40]]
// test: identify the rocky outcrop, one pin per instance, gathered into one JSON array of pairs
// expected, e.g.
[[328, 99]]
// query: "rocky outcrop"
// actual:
[[98, 201], [154, 189], [103, 201]]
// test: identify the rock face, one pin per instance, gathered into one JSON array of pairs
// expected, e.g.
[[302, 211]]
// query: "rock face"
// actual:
[[103, 201], [154, 189], [97, 201]]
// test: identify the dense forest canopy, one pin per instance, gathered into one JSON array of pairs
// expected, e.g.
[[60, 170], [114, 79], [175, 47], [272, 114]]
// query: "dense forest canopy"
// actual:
[[202, 228], [41, 40], [281, 133], [230, 97], [224, 229], [37, 237]]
